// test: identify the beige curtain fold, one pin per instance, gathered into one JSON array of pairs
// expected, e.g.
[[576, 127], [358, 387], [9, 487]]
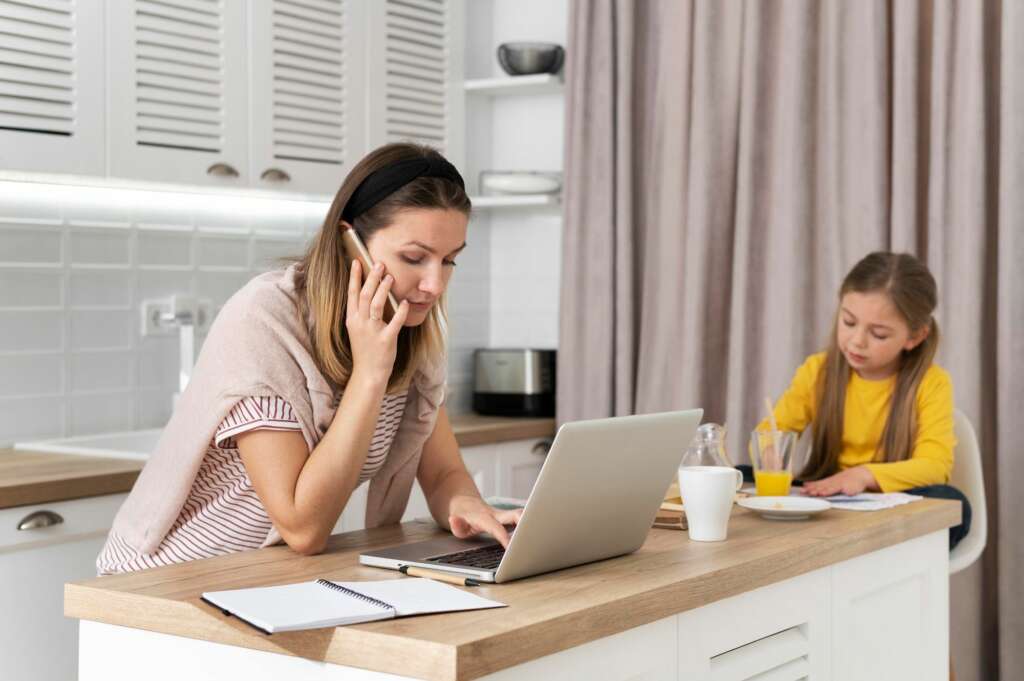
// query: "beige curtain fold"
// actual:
[[727, 162]]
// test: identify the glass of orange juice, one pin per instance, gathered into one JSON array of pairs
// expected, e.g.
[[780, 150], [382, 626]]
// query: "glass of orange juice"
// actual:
[[771, 453]]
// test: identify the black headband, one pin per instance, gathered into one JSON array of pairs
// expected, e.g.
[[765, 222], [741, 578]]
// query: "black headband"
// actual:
[[389, 179]]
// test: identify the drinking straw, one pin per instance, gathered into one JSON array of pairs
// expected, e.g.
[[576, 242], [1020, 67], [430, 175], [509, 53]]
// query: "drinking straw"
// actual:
[[777, 453]]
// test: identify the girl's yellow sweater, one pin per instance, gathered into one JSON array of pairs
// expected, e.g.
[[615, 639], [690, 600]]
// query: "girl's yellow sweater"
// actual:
[[866, 411]]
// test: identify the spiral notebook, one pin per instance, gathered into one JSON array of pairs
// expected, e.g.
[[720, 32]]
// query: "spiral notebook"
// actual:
[[322, 603]]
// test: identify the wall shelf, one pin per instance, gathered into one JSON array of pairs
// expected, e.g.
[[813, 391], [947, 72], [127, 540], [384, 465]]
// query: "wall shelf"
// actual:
[[516, 200], [537, 84]]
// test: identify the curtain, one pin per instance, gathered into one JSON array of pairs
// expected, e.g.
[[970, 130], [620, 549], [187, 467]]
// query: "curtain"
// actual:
[[727, 162]]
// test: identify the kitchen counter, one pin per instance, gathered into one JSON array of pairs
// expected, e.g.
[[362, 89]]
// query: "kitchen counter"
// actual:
[[37, 477], [158, 613]]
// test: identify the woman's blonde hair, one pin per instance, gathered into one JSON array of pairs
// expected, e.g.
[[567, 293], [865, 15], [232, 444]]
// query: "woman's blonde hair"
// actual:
[[911, 287], [323, 272]]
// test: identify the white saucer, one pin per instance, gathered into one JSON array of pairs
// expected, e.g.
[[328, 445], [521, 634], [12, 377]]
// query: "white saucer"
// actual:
[[784, 508]]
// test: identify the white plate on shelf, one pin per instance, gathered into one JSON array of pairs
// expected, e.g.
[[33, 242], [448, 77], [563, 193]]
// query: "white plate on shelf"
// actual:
[[784, 508]]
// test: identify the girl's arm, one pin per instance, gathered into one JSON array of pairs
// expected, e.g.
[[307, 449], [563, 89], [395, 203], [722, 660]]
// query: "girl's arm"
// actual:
[[451, 494], [931, 460], [304, 492]]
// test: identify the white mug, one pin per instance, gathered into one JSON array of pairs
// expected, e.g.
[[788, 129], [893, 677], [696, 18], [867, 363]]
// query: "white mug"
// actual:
[[707, 493]]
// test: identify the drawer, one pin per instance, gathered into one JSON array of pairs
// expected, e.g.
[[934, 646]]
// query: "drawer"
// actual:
[[79, 518]]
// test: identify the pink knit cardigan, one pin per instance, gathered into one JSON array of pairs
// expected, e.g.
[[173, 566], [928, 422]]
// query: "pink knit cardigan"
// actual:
[[260, 346]]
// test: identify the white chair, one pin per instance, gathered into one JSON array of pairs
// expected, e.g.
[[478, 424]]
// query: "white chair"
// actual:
[[967, 477]]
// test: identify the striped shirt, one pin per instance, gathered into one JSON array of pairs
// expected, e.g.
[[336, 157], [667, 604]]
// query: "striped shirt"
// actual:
[[222, 513]]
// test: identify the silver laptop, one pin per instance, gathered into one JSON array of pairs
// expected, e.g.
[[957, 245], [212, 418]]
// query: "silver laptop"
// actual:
[[596, 497]]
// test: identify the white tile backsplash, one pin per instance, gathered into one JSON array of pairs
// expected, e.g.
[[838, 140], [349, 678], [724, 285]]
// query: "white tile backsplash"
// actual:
[[31, 374], [30, 245], [101, 246], [165, 248], [28, 288], [29, 418], [102, 371], [103, 329], [222, 251], [93, 287], [31, 331], [156, 283], [76, 262], [102, 412], [219, 286], [266, 253], [158, 362]]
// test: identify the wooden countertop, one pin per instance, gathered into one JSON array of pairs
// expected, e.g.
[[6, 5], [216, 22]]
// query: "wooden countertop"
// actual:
[[546, 614], [37, 478]]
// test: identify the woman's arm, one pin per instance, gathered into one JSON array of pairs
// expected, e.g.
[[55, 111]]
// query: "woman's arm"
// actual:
[[451, 494], [304, 492]]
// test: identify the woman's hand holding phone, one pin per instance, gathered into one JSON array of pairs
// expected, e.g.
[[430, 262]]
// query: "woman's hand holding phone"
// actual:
[[374, 341]]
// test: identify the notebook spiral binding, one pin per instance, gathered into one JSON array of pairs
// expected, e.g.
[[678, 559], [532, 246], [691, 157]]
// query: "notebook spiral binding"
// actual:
[[356, 594]]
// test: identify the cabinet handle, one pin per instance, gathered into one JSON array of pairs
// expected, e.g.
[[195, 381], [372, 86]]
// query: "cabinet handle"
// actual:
[[541, 447], [34, 521], [275, 175], [222, 170]]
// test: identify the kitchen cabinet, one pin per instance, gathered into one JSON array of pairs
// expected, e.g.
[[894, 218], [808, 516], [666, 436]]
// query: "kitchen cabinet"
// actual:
[[307, 66], [272, 94], [51, 86], [37, 643], [518, 465], [177, 91]]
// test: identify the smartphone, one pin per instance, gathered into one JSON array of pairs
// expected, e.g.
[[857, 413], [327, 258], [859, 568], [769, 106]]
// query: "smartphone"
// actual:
[[356, 250]]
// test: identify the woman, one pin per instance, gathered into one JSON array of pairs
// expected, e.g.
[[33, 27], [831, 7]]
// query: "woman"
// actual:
[[304, 389]]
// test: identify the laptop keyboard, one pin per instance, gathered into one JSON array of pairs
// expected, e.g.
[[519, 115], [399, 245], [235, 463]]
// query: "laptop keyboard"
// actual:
[[486, 557]]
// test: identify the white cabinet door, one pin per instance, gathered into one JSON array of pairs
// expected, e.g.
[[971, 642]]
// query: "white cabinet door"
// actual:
[[890, 612], [519, 463], [51, 86], [415, 65], [307, 76], [37, 643], [481, 462], [353, 517], [780, 631], [178, 91]]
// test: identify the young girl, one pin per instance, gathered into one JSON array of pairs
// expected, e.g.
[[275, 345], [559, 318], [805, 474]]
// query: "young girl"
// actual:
[[881, 412], [304, 390]]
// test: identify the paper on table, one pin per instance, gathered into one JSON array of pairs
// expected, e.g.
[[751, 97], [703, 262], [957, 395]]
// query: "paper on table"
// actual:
[[870, 501], [420, 596]]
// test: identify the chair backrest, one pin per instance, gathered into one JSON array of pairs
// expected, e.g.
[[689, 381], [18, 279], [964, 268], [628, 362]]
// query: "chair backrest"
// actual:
[[967, 477]]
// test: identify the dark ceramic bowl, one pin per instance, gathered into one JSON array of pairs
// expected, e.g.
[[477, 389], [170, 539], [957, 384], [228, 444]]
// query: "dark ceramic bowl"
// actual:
[[522, 59]]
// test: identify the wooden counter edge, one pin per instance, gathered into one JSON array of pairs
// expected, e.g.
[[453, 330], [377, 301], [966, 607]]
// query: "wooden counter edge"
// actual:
[[473, 429], [57, 489], [553, 636], [194, 619], [474, 659]]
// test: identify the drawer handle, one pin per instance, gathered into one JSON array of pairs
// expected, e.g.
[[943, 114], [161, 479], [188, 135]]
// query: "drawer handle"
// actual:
[[275, 175], [541, 448], [222, 170], [38, 519]]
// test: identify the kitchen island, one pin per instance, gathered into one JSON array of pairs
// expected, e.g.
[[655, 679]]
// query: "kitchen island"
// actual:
[[845, 595]]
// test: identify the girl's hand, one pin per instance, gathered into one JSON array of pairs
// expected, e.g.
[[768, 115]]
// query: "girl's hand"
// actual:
[[374, 342], [851, 481], [469, 516]]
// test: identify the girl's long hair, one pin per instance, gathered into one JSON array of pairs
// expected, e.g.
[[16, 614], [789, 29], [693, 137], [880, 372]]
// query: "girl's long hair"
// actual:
[[323, 272], [911, 287]]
